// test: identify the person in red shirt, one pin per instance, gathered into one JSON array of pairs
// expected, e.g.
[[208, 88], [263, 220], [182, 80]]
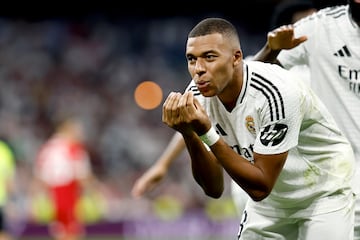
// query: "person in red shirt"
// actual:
[[63, 167]]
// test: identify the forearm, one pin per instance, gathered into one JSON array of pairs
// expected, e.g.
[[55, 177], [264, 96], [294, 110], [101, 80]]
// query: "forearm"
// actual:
[[250, 177], [172, 151], [154, 175], [266, 54], [207, 172]]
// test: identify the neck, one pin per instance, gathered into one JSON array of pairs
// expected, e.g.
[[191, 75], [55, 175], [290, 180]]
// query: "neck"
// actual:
[[230, 95]]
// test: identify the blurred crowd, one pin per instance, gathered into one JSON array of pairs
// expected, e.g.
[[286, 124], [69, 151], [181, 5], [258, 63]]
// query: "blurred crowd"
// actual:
[[90, 68]]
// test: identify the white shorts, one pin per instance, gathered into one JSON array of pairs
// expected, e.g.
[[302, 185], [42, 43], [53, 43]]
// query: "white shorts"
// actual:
[[336, 225]]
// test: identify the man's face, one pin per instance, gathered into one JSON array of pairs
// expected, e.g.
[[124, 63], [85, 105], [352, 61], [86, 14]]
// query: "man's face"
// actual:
[[210, 63], [355, 10]]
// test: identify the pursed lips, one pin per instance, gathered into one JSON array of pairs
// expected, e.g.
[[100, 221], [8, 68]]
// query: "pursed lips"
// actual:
[[202, 84]]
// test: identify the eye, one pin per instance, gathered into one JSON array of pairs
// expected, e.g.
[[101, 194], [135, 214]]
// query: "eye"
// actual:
[[210, 57], [191, 59]]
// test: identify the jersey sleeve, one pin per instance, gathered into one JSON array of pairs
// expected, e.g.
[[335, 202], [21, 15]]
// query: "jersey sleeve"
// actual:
[[280, 133]]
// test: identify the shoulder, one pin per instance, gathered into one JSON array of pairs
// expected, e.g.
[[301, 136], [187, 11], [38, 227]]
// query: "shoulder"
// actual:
[[319, 25], [266, 78], [334, 11], [272, 91], [266, 70], [324, 15]]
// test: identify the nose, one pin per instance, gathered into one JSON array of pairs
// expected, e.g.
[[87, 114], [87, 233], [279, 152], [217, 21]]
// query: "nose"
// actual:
[[199, 67]]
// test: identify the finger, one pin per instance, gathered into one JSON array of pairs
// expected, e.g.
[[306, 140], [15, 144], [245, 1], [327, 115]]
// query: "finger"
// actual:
[[138, 189], [197, 104], [190, 99], [182, 101], [170, 106], [189, 103], [288, 27], [165, 107], [167, 100], [300, 40]]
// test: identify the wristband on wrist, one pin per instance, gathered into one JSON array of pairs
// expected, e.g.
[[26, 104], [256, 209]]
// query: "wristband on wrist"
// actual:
[[210, 137]]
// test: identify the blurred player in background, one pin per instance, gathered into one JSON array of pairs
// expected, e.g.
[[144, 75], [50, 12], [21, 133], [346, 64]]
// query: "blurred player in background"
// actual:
[[63, 168], [328, 43]]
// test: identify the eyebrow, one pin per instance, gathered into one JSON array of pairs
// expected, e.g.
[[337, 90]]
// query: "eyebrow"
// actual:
[[202, 54]]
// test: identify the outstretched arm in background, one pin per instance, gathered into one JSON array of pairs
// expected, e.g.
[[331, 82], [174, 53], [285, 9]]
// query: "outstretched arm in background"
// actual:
[[153, 176], [278, 39]]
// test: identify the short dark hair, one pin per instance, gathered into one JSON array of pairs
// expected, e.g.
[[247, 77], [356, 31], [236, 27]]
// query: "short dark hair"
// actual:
[[214, 25]]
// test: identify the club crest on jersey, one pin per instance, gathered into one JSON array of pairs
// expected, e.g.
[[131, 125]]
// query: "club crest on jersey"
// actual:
[[272, 135], [250, 124]]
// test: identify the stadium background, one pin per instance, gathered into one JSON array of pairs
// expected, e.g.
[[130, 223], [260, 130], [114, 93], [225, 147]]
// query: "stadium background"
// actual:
[[87, 57]]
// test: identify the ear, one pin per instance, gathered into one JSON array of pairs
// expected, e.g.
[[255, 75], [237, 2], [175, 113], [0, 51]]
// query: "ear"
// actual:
[[238, 56]]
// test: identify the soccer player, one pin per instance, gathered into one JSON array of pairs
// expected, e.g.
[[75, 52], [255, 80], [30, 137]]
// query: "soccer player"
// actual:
[[63, 168], [276, 140], [285, 13], [328, 43]]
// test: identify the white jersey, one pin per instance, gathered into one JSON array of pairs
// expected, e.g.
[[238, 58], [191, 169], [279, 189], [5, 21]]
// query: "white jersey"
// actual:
[[276, 112], [332, 53]]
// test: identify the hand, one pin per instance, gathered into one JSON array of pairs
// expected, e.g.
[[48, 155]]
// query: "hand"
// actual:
[[185, 114], [283, 38], [148, 181]]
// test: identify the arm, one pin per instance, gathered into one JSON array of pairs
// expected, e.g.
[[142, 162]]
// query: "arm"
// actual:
[[186, 115], [206, 170], [257, 179], [278, 39], [153, 176]]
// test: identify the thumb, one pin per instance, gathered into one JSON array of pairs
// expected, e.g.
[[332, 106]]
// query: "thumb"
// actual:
[[299, 40]]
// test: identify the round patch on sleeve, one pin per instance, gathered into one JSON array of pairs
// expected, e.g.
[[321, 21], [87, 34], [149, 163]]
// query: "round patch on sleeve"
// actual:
[[272, 135]]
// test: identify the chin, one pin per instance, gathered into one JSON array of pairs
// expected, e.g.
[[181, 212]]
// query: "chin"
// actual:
[[207, 93]]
